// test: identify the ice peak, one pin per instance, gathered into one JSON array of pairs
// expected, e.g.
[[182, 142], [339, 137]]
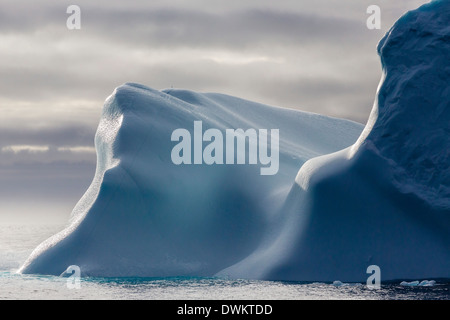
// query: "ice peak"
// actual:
[[411, 114]]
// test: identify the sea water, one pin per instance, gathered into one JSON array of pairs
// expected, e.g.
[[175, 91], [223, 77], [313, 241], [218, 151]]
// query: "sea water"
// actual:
[[18, 241]]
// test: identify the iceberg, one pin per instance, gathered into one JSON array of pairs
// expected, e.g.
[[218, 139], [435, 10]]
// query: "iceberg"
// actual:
[[427, 283], [378, 195], [146, 215], [416, 283]]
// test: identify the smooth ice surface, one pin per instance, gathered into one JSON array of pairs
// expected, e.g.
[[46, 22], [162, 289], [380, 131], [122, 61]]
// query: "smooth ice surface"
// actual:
[[145, 216], [385, 200]]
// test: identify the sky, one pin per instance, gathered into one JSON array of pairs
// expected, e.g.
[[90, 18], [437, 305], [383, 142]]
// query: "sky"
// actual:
[[317, 56]]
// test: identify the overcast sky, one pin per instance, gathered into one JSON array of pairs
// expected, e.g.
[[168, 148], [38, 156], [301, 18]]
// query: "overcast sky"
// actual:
[[316, 56]]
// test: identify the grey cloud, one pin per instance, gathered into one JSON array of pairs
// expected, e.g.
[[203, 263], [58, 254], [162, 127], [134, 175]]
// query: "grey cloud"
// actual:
[[131, 28], [51, 182], [57, 82], [175, 27], [53, 136], [58, 142]]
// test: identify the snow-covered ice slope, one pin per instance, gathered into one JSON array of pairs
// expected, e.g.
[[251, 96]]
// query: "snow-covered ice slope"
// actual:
[[385, 200], [145, 216]]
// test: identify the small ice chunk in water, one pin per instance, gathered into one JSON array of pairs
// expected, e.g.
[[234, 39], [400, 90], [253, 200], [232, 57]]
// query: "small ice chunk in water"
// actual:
[[427, 283], [409, 284], [338, 283], [424, 283]]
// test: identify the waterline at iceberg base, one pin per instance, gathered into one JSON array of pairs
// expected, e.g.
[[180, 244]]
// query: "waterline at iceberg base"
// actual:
[[378, 195]]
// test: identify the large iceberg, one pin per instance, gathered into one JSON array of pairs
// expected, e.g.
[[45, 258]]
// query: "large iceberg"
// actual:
[[381, 199], [145, 215]]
